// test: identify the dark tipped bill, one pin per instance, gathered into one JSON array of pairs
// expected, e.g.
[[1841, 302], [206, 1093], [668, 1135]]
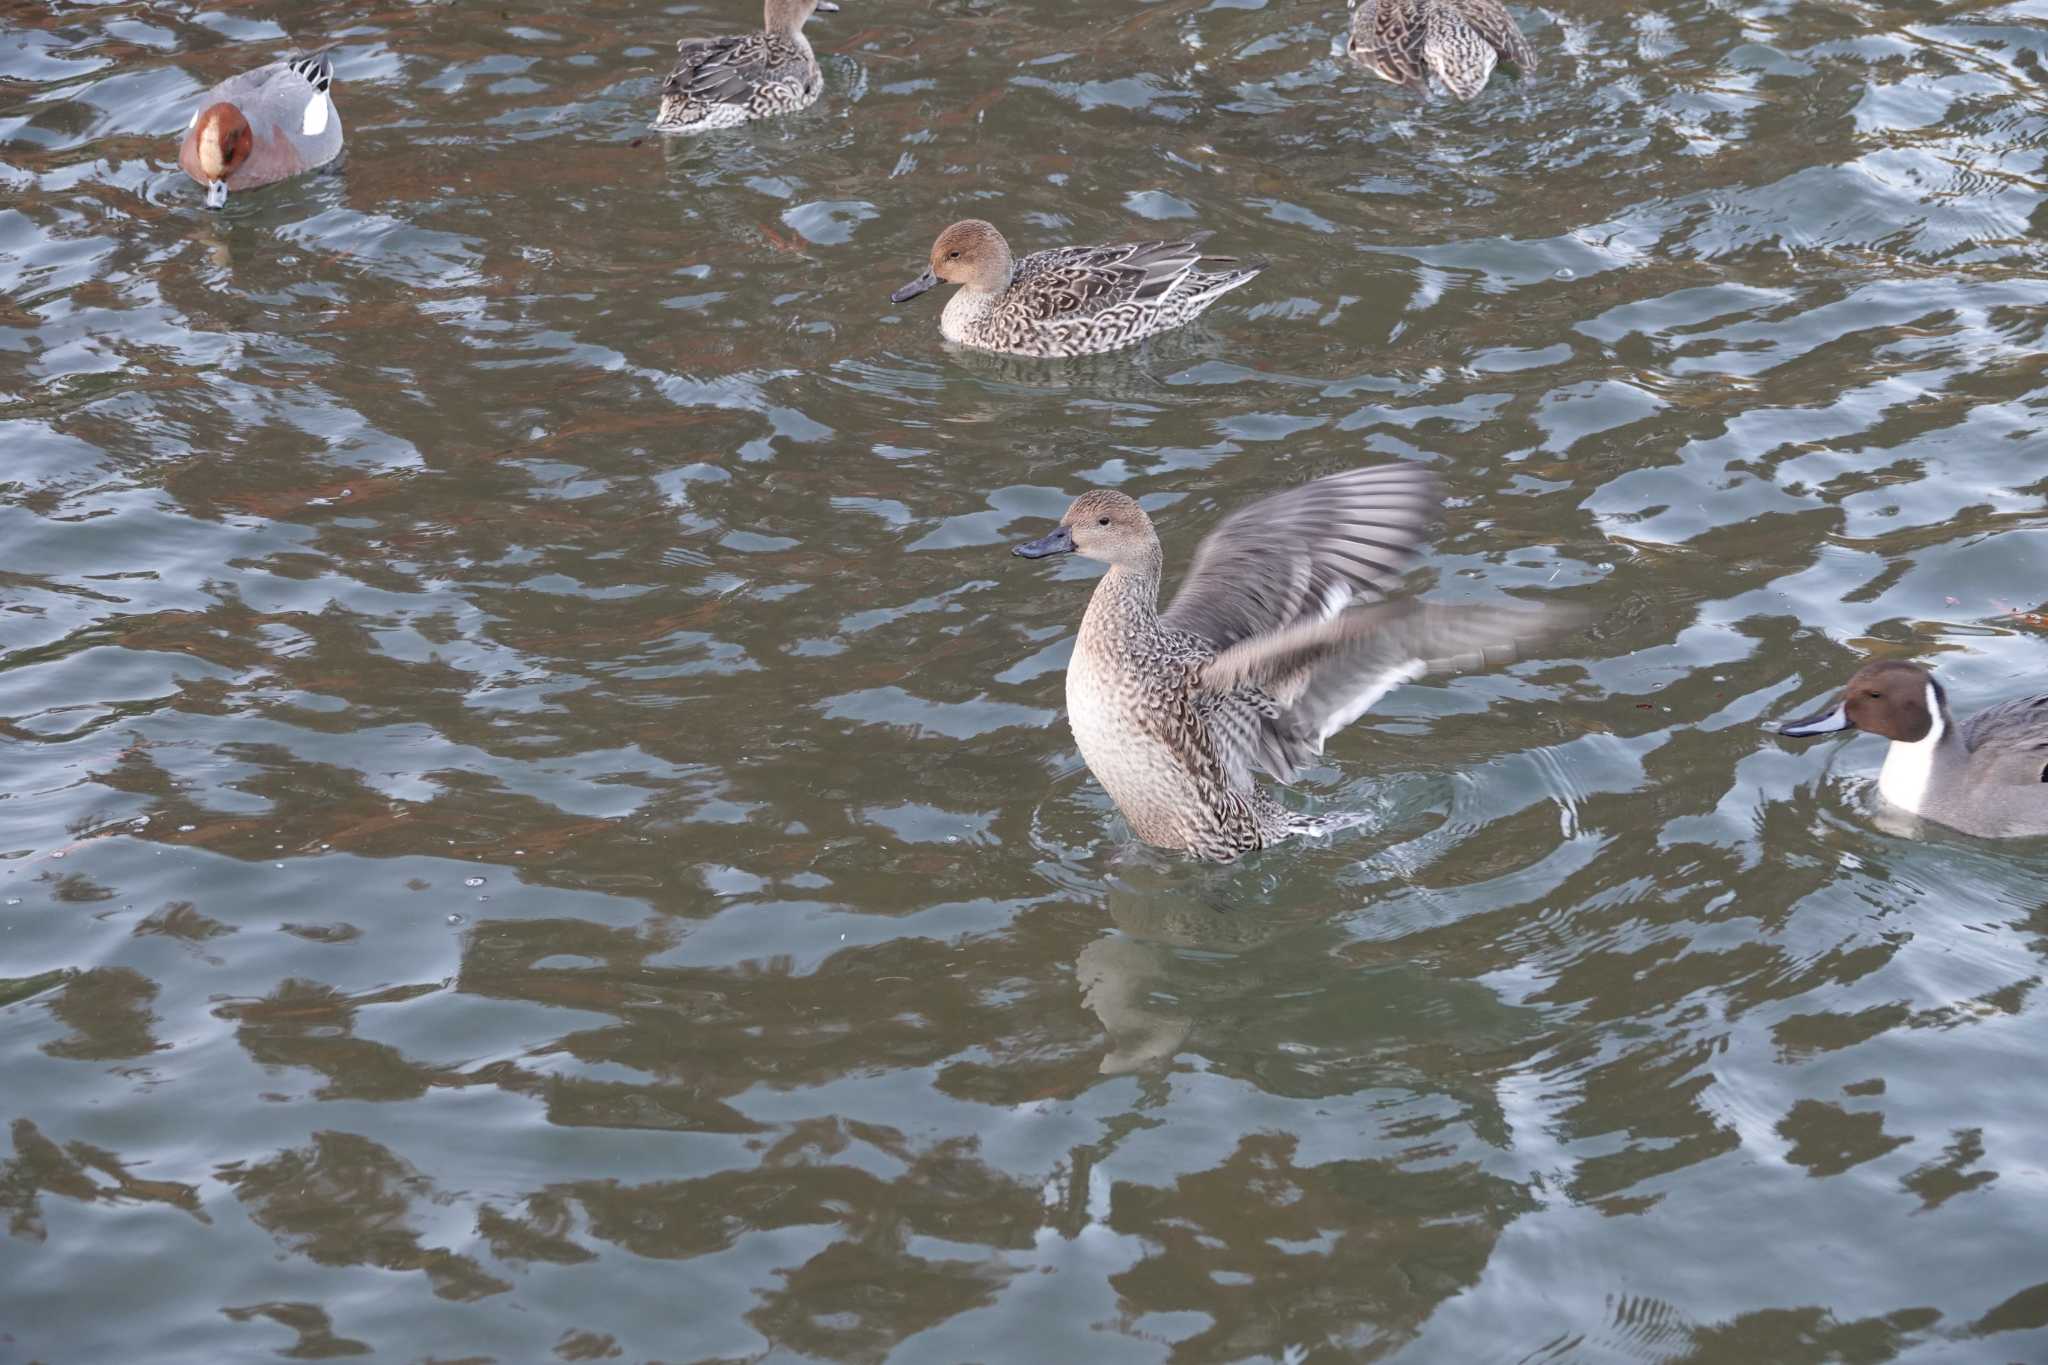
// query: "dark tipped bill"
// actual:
[[217, 195], [1827, 722], [914, 288], [1060, 542]]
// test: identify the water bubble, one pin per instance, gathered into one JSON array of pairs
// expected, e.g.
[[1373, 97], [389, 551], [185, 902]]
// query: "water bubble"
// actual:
[[455, 919], [472, 881], [186, 829], [278, 866], [58, 854], [139, 822], [1564, 272], [14, 900]]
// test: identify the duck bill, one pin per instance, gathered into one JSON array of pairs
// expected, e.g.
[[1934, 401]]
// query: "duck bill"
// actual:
[[1060, 542], [217, 195], [1827, 722], [915, 287]]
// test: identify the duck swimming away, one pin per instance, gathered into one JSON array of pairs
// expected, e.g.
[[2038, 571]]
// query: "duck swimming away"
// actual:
[[1986, 776], [1072, 300], [1457, 41], [263, 126], [1279, 637], [719, 82]]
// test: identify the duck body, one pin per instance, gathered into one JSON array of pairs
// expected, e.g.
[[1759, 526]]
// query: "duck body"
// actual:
[[1277, 638], [263, 126], [1068, 301], [1141, 719], [1457, 41], [721, 82], [1985, 776]]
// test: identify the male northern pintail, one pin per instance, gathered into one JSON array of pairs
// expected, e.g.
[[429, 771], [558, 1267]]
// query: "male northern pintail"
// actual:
[[1987, 775], [1277, 639], [1457, 41], [262, 126], [718, 82], [1071, 300]]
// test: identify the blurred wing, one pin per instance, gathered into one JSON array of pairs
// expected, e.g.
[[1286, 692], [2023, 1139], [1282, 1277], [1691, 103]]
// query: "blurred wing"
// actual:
[[1322, 675], [1305, 554]]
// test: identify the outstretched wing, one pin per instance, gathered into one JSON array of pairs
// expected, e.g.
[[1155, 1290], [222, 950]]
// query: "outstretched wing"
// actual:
[[1322, 675], [1305, 554]]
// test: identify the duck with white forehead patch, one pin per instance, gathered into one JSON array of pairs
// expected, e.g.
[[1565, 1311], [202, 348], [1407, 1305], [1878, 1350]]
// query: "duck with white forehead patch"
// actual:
[[1987, 775], [263, 126], [1279, 637]]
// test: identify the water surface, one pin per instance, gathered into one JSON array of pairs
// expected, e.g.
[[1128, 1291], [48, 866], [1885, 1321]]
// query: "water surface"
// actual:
[[537, 820]]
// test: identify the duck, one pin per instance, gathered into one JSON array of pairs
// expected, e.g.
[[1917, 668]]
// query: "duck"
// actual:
[[720, 82], [1457, 41], [1071, 300], [263, 126], [1280, 635], [1986, 776]]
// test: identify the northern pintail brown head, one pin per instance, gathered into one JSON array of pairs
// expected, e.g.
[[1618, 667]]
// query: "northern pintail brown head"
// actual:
[[718, 82], [262, 126], [1987, 775], [1278, 638], [1457, 41], [1071, 300]]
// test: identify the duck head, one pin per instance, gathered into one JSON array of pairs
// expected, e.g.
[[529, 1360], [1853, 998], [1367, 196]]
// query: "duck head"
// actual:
[[787, 16], [970, 252], [1892, 697], [217, 143], [1100, 525]]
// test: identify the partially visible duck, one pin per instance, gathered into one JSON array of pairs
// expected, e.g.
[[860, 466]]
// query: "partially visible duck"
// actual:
[[263, 126], [718, 82], [1278, 638], [1457, 41], [1071, 300], [1986, 776]]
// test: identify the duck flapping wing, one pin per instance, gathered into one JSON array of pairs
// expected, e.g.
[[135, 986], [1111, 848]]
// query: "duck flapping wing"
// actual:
[[1305, 554], [1322, 675]]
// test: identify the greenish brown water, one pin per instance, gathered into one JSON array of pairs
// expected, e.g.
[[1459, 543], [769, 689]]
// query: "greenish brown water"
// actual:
[[537, 822]]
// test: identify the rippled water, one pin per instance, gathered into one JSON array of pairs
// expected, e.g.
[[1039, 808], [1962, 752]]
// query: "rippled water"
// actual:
[[537, 821]]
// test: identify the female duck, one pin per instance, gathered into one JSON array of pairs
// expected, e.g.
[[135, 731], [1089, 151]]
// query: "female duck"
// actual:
[[718, 82], [1986, 776], [1457, 41], [1074, 300], [263, 126], [1277, 639]]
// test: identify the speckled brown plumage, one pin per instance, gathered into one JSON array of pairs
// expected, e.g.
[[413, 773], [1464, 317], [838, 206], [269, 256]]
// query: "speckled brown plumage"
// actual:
[[1075, 300], [719, 82], [1457, 41], [1277, 639]]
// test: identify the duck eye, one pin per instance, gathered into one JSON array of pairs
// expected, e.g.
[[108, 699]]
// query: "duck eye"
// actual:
[[1103, 522], [1875, 696], [952, 255]]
